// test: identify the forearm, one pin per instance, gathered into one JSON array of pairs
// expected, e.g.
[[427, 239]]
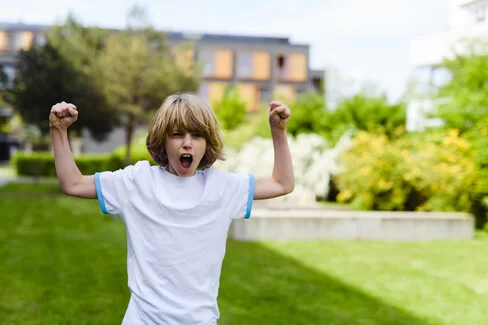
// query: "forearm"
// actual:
[[283, 166], [66, 170]]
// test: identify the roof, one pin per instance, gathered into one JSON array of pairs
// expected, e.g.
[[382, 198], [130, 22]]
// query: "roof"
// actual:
[[22, 26], [176, 36]]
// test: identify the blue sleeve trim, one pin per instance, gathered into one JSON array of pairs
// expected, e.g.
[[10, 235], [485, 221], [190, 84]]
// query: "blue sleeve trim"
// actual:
[[250, 197], [99, 193]]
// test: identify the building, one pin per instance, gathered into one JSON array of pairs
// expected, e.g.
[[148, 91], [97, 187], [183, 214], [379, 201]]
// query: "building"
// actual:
[[260, 67], [469, 19], [15, 37]]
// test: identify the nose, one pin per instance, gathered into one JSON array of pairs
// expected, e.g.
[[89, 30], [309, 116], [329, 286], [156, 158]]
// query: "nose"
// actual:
[[187, 141]]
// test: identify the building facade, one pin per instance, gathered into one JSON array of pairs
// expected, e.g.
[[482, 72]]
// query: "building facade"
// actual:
[[260, 67], [468, 19]]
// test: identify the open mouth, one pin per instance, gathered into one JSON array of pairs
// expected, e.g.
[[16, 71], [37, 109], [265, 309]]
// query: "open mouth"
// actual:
[[185, 161]]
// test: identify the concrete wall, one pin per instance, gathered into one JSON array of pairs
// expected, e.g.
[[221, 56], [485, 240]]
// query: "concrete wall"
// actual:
[[318, 224]]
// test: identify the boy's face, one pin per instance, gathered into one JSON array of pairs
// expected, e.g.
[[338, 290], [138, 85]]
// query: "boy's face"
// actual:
[[185, 150]]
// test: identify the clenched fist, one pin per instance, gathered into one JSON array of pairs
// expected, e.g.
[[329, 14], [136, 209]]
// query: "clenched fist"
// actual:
[[62, 115], [279, 114]]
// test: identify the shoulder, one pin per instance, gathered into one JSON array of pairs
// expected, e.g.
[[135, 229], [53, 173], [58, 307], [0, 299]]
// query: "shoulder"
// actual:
[[227, 178], [129, 172]]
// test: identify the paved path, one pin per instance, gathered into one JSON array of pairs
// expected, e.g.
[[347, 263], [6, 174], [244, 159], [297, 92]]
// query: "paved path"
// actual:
[[4, 180]]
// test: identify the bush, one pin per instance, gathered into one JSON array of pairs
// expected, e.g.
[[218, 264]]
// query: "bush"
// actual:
[[308, 113], [231, 109], [42, 164], [256, 125], [313, 160], [434, 173]]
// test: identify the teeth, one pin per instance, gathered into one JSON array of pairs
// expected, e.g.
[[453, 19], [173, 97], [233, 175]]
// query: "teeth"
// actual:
[[186, 155]]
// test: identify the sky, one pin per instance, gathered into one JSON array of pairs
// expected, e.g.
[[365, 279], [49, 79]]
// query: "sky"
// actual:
[[365, 41]]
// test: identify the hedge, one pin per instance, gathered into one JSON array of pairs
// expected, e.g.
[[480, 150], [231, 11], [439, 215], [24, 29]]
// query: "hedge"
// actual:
[[42, 163]]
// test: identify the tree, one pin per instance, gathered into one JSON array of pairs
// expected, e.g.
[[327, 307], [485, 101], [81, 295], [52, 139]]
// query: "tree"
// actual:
[[231, 109], [372, 113], [365, 111], [308, 113], [60, 71], [465, 97], [137, 70]]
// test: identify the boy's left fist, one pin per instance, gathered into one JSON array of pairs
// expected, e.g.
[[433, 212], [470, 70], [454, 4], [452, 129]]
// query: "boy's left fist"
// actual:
[[279, 114]]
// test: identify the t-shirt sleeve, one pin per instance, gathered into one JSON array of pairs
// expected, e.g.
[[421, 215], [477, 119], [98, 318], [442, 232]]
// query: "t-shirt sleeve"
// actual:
[[239, 195], [113, 188]]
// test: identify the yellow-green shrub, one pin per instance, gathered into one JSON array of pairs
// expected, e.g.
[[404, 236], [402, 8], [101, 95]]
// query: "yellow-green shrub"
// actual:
[[434, 172]]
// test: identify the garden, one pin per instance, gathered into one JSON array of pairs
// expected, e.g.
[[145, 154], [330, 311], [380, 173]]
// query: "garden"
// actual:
[[63, 261]]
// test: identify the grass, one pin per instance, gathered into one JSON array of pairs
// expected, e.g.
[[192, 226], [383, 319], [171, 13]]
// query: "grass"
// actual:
[[63, 262]]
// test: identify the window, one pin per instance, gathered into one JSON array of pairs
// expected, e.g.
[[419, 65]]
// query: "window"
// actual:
[[40, 39], [264, 94], [285, 92], [255, 65], [244, 65], [440, 76], [478, 13], [282, 66], [9, 73], [203, 91], [3, 41], [207, 58], [216, 63], [292, 67], [26, 40], [224, 64]]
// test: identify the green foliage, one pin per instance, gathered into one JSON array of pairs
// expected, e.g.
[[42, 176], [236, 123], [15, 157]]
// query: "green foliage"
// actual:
[[361, 112], [308, 114], [42, 164], [467, 91], [59, 71], [478, 137], [464, 105], [370, 113], [435, 172], [137, 69], [12, 124], [231, 109], [256, 124]]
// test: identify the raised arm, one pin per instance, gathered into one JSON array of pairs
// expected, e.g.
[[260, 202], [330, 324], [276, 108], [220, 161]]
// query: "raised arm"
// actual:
[[282, 181], [71, 180]]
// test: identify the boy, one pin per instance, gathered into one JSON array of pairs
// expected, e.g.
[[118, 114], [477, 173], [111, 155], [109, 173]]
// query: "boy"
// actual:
[[177, 214]]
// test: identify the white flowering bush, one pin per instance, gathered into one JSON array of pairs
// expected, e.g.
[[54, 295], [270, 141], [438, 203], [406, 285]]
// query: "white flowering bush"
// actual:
[[313, 161]]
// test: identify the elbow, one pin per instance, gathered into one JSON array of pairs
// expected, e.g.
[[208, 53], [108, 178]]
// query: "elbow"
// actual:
[[289, 188], [66, 189]]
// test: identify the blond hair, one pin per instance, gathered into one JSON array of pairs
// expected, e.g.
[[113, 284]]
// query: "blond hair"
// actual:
[[185, 112]]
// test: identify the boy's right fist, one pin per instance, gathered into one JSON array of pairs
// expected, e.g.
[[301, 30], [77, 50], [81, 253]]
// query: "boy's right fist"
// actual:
[[62, 115]]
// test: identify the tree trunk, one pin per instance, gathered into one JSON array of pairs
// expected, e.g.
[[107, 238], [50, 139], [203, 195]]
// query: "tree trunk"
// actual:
[[129, 131]]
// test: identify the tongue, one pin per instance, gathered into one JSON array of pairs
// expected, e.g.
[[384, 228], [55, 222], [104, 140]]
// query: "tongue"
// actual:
[[185, 163]]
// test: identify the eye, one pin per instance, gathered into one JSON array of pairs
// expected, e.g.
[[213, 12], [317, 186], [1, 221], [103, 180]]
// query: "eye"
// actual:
[[177, 134], [197, 135]]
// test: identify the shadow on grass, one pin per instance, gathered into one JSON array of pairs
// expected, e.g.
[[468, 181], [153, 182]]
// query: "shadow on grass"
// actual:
[[63, 262], [261, 286]]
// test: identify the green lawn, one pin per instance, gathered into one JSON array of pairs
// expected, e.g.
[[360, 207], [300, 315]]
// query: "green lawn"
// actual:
[[63, 262]]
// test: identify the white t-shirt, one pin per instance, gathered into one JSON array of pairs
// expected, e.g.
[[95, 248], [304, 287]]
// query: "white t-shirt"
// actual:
[[176, 235]]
